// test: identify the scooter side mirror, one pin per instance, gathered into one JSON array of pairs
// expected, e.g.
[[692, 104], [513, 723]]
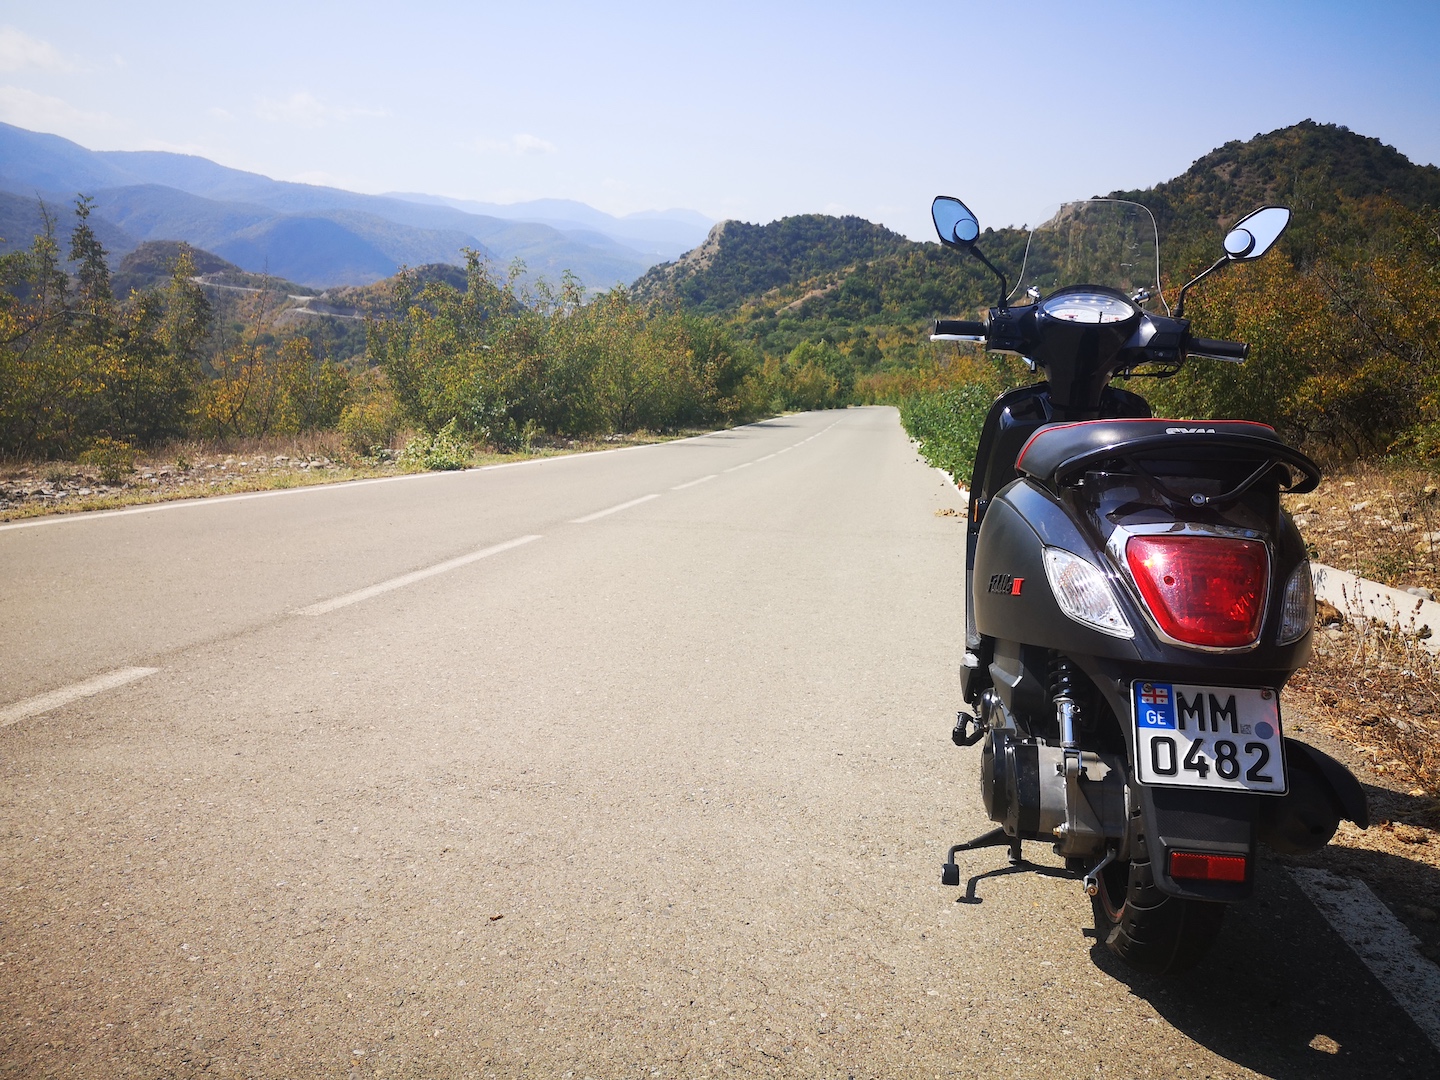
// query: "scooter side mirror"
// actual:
[[1252, 236], [957, 226], [1256, 233]]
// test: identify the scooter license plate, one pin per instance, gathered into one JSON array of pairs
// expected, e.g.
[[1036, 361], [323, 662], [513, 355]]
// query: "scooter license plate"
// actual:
[[1217, 737]]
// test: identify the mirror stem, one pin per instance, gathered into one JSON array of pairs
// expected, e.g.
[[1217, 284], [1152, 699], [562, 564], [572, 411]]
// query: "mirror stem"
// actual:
[[1180, 303], [1004, 292]]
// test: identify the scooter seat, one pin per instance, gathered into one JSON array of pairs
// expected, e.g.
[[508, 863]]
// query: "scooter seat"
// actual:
[[1058, 452]]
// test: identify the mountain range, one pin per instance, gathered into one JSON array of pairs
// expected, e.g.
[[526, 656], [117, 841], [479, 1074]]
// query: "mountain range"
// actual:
[[790, 280], [813, 277], [314, 235]]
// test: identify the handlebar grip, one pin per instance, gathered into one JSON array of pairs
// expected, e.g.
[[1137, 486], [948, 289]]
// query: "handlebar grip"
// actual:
[[1234, 351], [959, 328]]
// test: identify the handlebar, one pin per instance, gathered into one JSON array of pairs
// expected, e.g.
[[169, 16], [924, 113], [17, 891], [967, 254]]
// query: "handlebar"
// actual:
[[964, 329], [1233, 351], [1169, 342]]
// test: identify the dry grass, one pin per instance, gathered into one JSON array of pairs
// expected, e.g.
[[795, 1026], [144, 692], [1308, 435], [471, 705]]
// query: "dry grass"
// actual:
[[1377, 687], [1379, 690], [1379, 521]]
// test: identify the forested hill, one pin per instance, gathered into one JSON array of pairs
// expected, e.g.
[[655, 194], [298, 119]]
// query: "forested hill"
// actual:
[[1307, 166], [812, 277], [1337, 182], [739, 262]]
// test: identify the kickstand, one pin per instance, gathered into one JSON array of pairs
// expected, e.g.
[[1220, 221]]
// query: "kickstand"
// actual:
[[996, 837]]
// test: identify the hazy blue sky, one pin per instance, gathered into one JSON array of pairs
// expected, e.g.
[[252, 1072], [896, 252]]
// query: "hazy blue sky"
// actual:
[[748, 110]]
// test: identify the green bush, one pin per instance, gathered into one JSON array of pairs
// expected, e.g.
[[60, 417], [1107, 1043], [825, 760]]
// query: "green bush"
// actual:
[[446, 449], [115, 460], [489, 418], [947, 423], [370, 424]]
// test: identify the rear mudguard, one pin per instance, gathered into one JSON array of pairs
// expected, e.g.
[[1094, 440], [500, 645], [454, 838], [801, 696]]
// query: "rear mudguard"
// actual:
[[1188, 819], [1321, 792]]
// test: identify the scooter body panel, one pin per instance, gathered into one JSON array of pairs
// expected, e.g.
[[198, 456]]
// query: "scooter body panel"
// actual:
[[1022, 627]]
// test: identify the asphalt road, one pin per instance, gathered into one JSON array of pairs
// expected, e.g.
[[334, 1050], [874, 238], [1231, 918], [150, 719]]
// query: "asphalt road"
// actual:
[[662, 791]]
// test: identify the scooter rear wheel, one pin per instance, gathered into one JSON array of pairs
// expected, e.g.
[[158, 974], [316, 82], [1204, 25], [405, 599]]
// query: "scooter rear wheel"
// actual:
[[1150, 931]]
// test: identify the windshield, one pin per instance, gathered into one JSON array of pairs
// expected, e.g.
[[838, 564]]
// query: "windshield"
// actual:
[[1098, 242]]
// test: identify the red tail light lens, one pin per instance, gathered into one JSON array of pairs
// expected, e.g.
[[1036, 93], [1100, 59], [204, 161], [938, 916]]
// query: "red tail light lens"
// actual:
[[1202, 590], [1195, 866]]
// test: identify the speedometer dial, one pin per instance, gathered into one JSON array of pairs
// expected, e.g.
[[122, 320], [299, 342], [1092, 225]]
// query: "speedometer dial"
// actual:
[[1087, 308]]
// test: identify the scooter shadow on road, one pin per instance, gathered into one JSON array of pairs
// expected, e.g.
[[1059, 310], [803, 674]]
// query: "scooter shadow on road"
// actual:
[[1282, 994], [1407, 886]]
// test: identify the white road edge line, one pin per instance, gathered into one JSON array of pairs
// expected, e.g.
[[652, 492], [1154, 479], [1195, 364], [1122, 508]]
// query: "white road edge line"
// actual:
[[612, 510], [1380, 940], [409, 579], [347, 485], [692, 483], [340, 485], [745, 465], [66, 694], [214, 500]]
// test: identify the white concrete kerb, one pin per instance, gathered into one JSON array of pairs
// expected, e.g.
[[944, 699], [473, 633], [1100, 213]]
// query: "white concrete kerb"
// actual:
[[1361, 598]]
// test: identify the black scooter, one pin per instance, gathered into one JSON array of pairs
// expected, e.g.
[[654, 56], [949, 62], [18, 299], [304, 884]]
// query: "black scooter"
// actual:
[[1136, 598]]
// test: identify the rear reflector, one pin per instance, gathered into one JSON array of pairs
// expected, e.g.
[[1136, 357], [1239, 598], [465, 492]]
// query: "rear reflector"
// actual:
[[1202, 590], [1195, 866]]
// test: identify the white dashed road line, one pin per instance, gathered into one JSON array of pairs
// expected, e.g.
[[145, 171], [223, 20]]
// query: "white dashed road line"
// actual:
[[66, 694], [612, 510], [409, 579], [692, 483], [54, 699], [1380, 940]]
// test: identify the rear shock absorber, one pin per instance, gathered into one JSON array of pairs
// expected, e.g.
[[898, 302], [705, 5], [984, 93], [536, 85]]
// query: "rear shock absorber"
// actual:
[[1062, 692]]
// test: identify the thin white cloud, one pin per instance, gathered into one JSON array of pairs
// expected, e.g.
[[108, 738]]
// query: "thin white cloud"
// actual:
[[38, 112], [521, 145], [21, 52], [303, 109]]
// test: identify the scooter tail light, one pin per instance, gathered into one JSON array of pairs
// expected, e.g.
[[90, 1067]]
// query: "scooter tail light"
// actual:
[[1202, 590], [1297, 612], [1201, 866], [1083, 593]]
